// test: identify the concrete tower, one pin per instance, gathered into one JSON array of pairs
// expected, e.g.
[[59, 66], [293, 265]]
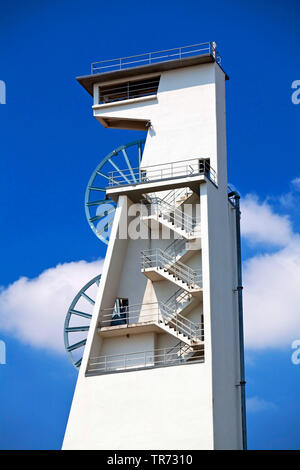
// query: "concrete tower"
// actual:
[[162, 366]]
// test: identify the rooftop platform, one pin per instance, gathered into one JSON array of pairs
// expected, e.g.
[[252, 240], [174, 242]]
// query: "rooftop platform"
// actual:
[[151, 62]]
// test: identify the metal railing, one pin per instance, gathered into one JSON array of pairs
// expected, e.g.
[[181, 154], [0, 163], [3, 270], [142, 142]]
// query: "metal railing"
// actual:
[[191, 167], [158, 207], [177, 196], [185, 351], [206, 48], [141, 360], [157, 258], [128, 90], [155, 312], [177, 248], [177, 301]]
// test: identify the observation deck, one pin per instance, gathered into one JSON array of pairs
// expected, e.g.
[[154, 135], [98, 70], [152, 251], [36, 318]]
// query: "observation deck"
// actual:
[[150, 62]]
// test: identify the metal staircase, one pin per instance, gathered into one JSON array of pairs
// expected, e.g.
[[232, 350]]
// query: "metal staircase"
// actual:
[[172, 217], [185, 353], [180, 302], [167, 264], [176, 197], [157, 264], [177, 325]]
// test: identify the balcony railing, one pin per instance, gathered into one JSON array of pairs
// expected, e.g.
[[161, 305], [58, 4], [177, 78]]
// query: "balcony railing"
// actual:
[[144, 359], [205, 48], [160, 172], [155, 312]]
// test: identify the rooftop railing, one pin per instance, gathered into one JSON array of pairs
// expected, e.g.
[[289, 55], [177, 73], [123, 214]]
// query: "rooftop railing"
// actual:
[[163, 171], [178, 53]]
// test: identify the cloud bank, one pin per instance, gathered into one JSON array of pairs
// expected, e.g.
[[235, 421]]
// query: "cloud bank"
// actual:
[[271, 280], [33, 310]]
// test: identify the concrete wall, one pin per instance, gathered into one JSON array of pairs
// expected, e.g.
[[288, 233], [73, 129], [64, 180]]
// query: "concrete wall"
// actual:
[[195, 406], [163, 408], [220, 274], [183, 116]]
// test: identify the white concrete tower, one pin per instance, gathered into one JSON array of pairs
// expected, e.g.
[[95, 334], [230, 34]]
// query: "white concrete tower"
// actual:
[[162, 366]]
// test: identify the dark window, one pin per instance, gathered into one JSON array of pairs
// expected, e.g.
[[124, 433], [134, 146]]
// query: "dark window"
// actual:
[[204, 166], [120, 313], [128, 90]]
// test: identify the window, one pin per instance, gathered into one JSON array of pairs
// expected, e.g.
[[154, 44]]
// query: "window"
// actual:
[[204, 166], [128, 90], [120, 312]]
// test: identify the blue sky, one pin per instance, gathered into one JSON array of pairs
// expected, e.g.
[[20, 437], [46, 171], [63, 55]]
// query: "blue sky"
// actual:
[[50, 144]]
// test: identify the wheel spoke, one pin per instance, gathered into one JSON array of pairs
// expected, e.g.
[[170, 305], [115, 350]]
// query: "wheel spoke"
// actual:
[[81, 314], [127, 175], [75, 329], [94, 188], [118, 169], [88, 298], [102, 216], [128, 164], [76, 345], [78, 363], [98, 203], [69, 330], [102, 174], [104, 229]]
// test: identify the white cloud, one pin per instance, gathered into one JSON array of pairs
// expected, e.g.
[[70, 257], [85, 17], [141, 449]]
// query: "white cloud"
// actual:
[[261, 225], [33, 310], [271, 281], [296, 184], [256, 404]]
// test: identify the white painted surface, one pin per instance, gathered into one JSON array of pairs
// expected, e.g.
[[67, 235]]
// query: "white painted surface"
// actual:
[[195, 406], [183, 117], [165, 408]]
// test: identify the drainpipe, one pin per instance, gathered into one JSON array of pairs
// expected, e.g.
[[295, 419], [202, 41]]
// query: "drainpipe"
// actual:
[[239, 289]]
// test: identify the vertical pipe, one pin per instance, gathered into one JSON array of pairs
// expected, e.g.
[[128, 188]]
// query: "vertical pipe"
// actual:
[[240, 309]]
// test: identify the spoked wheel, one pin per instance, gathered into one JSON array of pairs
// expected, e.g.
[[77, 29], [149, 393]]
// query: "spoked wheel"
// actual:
[[117, 168], [77, 322]]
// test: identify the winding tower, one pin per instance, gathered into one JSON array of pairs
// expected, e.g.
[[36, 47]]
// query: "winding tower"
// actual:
[[160, 352]]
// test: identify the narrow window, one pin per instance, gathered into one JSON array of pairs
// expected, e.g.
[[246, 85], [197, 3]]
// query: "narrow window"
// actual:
[[120, 312], [204, 166], [128, 90]]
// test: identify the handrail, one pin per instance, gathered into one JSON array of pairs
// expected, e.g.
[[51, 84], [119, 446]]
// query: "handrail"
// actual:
[[158, 258], [177, 247], [139, 359], [157, 206], [163, 171], [178, 299], [174, 195], [149, 313], [121, 63], [180, 348]]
